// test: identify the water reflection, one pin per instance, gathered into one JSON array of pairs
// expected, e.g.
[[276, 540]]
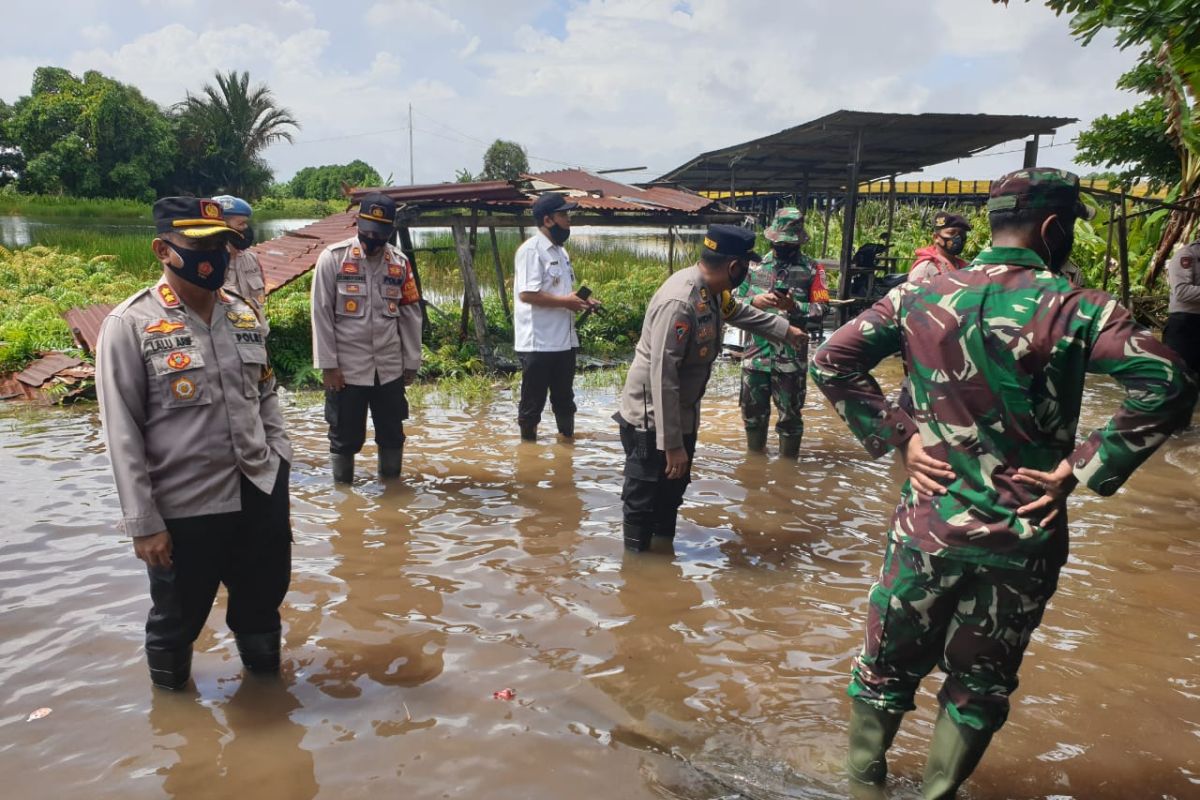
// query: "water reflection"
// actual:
[[222, 748], [714, 668]]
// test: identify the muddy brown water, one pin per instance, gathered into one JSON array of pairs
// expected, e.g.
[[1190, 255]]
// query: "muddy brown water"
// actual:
[[713, 671]]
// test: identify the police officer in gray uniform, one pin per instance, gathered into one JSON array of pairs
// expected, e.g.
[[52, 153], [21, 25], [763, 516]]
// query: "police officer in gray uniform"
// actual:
[[198, 447], [660, 404], [366, 325], [245, 274]]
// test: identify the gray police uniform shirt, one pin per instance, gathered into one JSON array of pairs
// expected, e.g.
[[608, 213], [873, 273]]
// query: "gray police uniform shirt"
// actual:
[[187, 407], [681, 337], [366, 314], [245, 278], [1183, 275]]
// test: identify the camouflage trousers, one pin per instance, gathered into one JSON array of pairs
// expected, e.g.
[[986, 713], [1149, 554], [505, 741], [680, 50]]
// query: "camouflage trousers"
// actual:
[[786, 389], [972, 620]]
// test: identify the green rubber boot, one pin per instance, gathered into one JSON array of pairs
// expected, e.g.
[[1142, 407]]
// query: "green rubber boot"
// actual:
[[756, 439], [871, 732], [953, 755], [789, 446]]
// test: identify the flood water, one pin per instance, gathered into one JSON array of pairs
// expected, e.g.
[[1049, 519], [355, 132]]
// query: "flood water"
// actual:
[[713, 671]]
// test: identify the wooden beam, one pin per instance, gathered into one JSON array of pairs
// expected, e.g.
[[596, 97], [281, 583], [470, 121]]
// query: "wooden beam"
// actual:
[[641, 220], [474, 300]]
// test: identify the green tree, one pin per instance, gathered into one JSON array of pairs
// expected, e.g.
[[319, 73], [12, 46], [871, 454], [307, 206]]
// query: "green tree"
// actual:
[[1135, 141], [223, 132], [504, 161], [1168, 33], [464, 176], [93, 137], [326, 182]]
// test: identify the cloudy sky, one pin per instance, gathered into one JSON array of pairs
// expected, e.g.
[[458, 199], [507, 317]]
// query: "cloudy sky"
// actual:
[[592, 83]]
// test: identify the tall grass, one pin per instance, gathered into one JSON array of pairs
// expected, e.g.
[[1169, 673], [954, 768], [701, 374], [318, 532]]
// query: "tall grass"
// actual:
[[56, 206]]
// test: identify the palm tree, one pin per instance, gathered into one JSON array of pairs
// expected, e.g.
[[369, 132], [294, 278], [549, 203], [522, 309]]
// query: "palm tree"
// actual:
[[230, 125]]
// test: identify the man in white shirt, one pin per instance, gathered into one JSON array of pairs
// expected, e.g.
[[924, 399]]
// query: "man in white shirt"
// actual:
[[544, 318]]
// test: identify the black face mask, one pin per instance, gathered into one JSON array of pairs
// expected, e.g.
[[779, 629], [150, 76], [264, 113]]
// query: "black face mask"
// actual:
[[787, 255], [371, 246], [954, 244], [246, 241], [558, 234], [1057, 256], [737, 276], [203, 268]]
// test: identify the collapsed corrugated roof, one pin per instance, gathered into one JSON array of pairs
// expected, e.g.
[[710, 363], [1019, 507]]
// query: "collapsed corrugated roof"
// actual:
[[818, 153], [592, 192]]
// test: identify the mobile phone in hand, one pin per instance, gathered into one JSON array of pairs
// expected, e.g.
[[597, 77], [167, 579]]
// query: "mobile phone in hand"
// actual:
[[584, 293]]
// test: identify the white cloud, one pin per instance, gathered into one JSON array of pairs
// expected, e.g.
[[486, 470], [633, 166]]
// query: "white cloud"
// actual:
[[594, 82], [96, 34], [470, 49], [413, 17]]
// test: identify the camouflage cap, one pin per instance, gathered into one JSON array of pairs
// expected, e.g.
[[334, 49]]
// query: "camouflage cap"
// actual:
[[787, 227], [1038, 187]]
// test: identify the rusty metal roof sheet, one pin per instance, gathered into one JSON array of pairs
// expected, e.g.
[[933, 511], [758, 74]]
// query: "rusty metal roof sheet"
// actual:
[[46, 367], [85, 324], [602, 193], [450, 193], [289, 256], [592, 192]]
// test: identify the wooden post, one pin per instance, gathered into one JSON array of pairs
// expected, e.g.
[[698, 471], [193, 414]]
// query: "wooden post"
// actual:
[[500, 287], [1123, 251], [891, 208], [466, 263], [849, 215], [671, 249], [1112, 213], [825, 236], [462, 322]]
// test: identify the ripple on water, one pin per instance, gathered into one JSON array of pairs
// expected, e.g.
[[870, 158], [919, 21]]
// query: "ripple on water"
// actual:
[[715, 668]]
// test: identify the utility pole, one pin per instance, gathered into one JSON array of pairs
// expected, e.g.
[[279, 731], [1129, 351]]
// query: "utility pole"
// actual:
[[411, 179]]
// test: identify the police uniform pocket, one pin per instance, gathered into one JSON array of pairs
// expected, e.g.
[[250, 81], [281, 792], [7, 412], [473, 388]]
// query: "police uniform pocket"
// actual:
[[254, 281], [255, 367], [391, 294], [179, 378], [350, 300]]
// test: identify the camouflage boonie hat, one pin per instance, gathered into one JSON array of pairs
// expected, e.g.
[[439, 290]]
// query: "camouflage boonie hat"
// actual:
[[1038, 187], [787, 227]]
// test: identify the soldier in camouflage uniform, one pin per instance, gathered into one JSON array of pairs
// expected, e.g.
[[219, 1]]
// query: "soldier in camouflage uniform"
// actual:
[[997, 354], [788, 284]]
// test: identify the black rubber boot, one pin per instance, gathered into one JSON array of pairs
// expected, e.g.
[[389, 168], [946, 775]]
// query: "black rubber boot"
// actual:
[[871, 732], [953, 755], [528, 431], [390, 460], [343, 467], [664, 525], [259, 651], [170, 669], [789, 446], [566, 424], [637, 537], [756, 439]]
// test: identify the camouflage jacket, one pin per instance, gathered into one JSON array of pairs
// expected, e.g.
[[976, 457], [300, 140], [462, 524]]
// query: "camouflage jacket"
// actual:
[[806, 285], [996, 354]]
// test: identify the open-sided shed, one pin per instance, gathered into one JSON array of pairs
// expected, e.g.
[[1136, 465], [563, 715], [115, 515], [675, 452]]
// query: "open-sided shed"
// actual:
[[834, 154]]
